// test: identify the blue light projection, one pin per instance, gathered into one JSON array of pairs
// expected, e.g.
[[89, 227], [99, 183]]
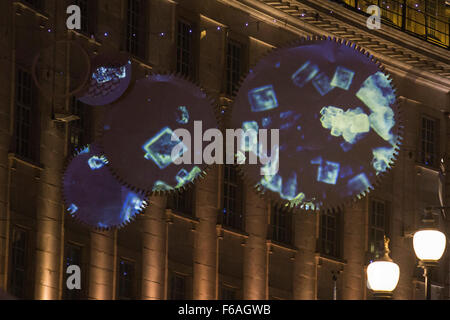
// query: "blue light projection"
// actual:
[[349, 124], [305, 74], [342, 78], [93, 194], [159, 148], [183, 177], [249, 140], [72, 208], [105, 74], [322, 84], [97, 162], [337, 120], [262, 99], [328, 172], [182, 115]]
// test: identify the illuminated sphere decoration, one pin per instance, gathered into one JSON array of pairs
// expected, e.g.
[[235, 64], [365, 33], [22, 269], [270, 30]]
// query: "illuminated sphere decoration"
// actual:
[[383, 276], [338, 122], [94, 197], [110, 77], [138, 131], [429, 245]]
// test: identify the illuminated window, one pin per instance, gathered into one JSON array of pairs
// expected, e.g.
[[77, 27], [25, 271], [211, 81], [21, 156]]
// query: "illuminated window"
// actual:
[[227, 293], [232, 204], [79, 129], [182, 201], [136, 37], [72, 257], [184, 49], [88, 15], [25, 112], [378, 227], [428, 142], [19, 263], [330, 233], [177, 287], [281, 223], [234, 66], [126, 285]]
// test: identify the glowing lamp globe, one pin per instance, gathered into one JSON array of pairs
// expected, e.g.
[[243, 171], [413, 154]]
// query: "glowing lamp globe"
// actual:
[[382, 276], [429, 245]]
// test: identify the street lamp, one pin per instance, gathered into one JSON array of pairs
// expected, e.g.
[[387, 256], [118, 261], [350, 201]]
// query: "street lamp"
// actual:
[[383, 274], [429, 246]]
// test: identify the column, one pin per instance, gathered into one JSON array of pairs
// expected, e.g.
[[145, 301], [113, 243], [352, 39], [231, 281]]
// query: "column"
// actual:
[[254, 274], [101, 270], [153, 249], [304, 286], [206, 208]]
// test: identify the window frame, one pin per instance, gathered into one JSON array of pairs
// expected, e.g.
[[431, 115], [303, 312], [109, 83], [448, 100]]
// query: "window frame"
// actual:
[[279, 213], [192, 63], [26, 269], [237, 217], [338, 215], [74, 294], [174, 294], [132, 281], [372, 229], [138, 47], [421, 158], [183, 201], [230, 87], [89, 16]]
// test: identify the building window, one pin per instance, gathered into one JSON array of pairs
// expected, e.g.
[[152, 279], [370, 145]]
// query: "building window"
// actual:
[[182, 202], [178, 287], [25, 111], [185, 58], [227, 293], [126, 280], [72, 257], [428, 142], [79, 129], [36, 4], [136, 36], [88, 15], [19, 270], [281, 223], [378, 227], [234, 66], [330, 233], [232, 204]]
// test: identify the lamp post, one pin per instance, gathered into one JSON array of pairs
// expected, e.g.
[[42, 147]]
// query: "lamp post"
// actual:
[[383, 274], [429, 246]]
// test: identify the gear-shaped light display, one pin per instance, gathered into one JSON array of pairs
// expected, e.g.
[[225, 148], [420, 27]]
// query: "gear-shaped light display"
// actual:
[[337, 117], [139, 133], [92, 194]]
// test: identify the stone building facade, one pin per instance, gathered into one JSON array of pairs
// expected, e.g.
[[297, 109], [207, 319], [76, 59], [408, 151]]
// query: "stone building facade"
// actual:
[[219, 240]]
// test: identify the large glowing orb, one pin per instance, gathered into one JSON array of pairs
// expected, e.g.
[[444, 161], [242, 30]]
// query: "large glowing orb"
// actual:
[[139, 133], [337, 117]]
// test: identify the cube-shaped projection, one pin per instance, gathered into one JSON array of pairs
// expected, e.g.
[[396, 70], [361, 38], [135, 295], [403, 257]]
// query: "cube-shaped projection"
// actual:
[[159, 148], [289, 189], [328, 172], [382, 122], [322, 84], [358, 184], [161, 186], [182, 176], [72, 208], [343, 78], [97, 162], [376, 92], [262, 99], [131, 206], [305, 74], [266, 122], [272, 182]]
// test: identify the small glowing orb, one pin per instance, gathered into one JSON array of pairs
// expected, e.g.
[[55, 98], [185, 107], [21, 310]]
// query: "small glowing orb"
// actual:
[[182, 115], [105, 74], [262, 99], [322, 84], [305, 74], [381, 159], [349, 124], [358, 183], [72, 208], [97, 162], [328, 172], [159, 148], [342, 78]]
